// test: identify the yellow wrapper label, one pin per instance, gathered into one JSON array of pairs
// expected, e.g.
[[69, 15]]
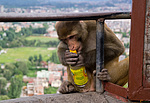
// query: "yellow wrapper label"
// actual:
[[73, 51], [80, 76]]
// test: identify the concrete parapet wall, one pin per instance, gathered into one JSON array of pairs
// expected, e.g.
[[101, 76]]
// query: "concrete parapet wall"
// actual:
[[89, 97]]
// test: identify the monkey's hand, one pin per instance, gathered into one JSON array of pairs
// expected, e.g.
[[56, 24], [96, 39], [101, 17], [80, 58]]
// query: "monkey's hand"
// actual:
[[80, 61], [104, 75], [71, 58], [66, 87]]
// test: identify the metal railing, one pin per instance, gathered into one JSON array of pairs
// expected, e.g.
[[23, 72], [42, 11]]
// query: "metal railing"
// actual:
[[99, 17], [30, 17]]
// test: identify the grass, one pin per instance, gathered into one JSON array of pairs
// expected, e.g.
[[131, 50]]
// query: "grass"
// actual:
[[32, 73], [126, 85], [23, 53], [50, 90], [41, 38]]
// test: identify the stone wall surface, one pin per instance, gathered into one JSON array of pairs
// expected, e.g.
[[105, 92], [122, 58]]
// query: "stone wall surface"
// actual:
[[89, 97]]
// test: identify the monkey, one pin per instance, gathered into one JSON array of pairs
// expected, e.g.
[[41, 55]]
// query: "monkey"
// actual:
[[81, 36]]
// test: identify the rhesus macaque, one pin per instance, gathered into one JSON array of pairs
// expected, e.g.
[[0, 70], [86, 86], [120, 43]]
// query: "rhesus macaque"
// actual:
[[81, 36]]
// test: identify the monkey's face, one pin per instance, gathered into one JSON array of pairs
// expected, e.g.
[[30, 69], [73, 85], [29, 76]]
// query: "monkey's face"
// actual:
[[72, 33], [73, 42]]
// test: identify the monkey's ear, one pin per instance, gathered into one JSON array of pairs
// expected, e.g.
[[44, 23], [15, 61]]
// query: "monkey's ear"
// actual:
[[83, 24], [57, 24]]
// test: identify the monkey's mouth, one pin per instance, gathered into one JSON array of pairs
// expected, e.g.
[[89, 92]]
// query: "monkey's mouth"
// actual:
[[79, 48]]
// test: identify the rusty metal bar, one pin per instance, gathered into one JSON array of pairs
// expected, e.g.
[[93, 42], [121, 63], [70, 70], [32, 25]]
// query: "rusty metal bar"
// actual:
[[99, 52], [30, 17]]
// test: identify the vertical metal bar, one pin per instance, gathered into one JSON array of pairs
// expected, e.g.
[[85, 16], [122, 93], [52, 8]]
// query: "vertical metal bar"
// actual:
[[99, 52]]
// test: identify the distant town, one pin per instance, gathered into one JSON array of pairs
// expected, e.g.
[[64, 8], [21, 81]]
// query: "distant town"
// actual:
[[53, 74]]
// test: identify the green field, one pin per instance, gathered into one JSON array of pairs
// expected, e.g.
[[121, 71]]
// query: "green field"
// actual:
[[41, 38], [23, 53]]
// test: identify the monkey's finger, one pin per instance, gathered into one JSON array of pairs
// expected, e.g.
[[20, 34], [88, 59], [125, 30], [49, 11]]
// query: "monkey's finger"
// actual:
[[72, 59], [104, 70], [103, 78], [62, 90], [71, 55], [102, 73], [71, 63], [71, 88], [79, 52], [67, 51], [94, 72]]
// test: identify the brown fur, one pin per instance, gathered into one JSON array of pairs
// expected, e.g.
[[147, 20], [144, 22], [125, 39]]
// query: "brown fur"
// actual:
[[113, 48]]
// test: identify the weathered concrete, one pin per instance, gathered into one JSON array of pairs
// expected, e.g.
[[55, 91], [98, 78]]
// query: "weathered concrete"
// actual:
[[89, 97]]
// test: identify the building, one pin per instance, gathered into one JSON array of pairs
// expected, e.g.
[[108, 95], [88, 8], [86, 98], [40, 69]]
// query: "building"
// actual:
[[30, 89], [35, 88], [56, 67], [56, 83], [43, 74], [126, 40], [28, 79]]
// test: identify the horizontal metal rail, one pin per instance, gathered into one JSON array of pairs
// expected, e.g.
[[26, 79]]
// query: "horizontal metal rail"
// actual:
[[31, 17]]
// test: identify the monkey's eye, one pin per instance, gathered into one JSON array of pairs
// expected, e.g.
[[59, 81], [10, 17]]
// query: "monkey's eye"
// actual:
[[79, 39], [71, 37]]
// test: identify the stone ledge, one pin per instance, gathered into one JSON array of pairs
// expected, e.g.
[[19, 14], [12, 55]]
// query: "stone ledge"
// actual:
[[89, 97]]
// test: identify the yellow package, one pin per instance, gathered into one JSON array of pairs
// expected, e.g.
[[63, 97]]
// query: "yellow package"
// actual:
[[80, 76], [73, 51]]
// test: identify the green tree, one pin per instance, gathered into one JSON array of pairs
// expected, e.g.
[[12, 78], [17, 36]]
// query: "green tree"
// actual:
[[3, 83], [35, 58], [30, 59], [1, 70], [18, 72], [8, 74], [45, 25], [40, 58], [15, 43], [38, 43], [39, 30], [26, 31], [4, 97], [1, 48], [10, 35], [22, 66], [10, 67], [3, 91], [14, 90], [1, 75], [54, 58]]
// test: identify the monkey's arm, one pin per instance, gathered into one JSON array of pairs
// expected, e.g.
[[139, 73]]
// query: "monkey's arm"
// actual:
[[113, 47], [62, 47], [90, 60], [118, 71], [115, 72]]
